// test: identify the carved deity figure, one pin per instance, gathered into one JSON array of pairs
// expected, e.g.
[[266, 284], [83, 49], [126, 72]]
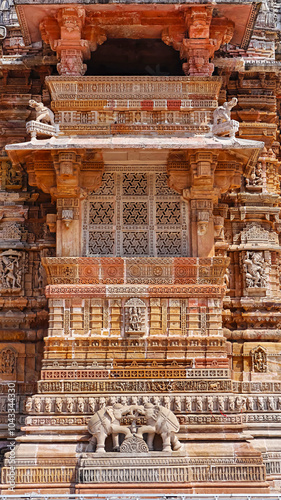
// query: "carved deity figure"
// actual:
[[256, 176], [10, 270], [8, 361], [222, 113], [43, 114], [259, 359], [254, 268], [135, 320]]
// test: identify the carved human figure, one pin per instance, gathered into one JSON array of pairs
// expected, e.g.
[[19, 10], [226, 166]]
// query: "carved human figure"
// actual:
[[10, 271], [28, 405], [8, 361], [210, 404], [48, 405], [105, 422], [260, 403], [59, 402], [80, 405], [256, 176], [37, 405], [222, 113], [167, 402], [102, 402], [188, 404], [231, 403], [221, 403], [69, 405], [271, 403], [135, 318], [159, 420], [43, 114], [254, 268], [250, 402], [177, 403], [199, 404], [240, 403]]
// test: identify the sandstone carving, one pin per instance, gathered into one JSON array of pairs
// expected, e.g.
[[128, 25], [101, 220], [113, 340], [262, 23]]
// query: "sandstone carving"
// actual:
[[114, 420], [162, 421], [223, 124], [43, 114], [105, 422]]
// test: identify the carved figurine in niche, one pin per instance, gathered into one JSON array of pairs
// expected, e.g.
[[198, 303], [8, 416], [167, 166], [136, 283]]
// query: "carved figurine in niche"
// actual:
[[135, 316], [159, 420], [43, 114], [8, 362], [259, 359], [13, 177], [10, 270], [105, 422], [255, 179], [254, 268]]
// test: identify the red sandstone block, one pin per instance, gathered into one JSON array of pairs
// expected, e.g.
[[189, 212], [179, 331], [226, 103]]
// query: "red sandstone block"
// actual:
[[173, 104], [147, 105]]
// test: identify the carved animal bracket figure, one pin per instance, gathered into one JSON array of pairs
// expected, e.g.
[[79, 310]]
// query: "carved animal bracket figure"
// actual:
[[106, 422], [160, 420], [222, 113], [223, 124], [43, 114]]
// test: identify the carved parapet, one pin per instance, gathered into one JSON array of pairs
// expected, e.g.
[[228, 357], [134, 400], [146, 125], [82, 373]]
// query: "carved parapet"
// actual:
[[35, 128]]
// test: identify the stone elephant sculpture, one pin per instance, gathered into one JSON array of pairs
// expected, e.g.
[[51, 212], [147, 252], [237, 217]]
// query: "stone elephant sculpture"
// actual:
[[105, 422], [160, 420]]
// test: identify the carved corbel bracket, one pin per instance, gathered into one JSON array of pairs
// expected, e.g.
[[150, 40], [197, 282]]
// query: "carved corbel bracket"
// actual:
[[71, 38], [205, 35]]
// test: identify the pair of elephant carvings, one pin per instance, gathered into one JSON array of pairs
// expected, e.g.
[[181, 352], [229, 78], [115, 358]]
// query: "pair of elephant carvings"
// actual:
[[133, 422]]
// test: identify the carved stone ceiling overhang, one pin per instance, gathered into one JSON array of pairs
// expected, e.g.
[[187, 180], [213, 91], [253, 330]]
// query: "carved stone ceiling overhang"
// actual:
[[132, 20], [245, 152]]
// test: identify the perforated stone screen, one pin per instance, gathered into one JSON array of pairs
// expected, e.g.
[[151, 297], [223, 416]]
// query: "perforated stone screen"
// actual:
[[135, 214]]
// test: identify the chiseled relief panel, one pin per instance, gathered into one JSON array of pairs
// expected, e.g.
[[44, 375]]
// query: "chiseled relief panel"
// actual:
[[133, 214]]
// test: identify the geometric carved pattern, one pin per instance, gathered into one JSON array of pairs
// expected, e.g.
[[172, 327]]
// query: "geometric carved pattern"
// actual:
[[168, 244], [124, 217], [162, 186], [168, 213], [101, 243], [135, 213], [101, 213], [134, 184], [135, 243], [107, 186]]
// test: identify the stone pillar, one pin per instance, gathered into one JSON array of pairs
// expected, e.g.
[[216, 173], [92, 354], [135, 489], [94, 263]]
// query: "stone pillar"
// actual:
[[202, 195]]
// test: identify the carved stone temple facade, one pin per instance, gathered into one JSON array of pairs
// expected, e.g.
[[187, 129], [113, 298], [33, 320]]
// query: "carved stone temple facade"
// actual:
[[140, 256]]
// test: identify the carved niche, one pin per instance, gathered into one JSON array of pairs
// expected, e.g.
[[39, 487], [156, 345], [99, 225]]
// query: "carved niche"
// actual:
[[8, 362], [259, 359], [135, 317], [11, 271]]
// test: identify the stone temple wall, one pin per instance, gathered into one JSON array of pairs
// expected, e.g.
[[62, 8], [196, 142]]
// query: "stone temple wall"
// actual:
[[139, 247]]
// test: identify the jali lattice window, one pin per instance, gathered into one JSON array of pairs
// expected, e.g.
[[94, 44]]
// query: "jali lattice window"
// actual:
[[135, 214]]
